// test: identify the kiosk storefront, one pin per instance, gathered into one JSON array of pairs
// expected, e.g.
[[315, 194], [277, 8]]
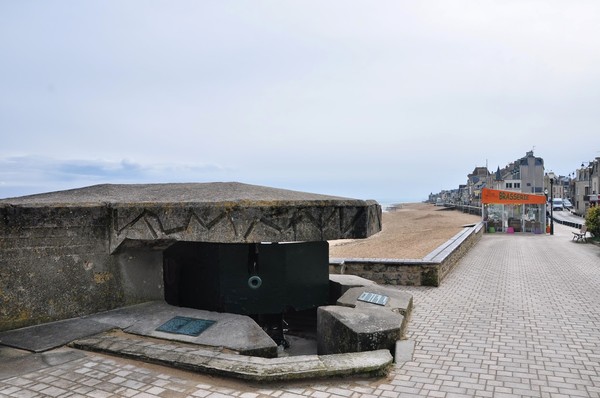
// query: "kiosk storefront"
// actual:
[[508, 211]]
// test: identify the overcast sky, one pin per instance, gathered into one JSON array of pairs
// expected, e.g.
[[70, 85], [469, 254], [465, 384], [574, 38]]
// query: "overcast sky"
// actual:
[[386, 100]]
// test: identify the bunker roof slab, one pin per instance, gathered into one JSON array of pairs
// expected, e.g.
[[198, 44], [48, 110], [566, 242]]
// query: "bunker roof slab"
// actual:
[[218, 212]]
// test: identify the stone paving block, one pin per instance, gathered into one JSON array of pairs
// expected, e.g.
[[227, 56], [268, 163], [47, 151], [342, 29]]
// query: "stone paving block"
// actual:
[[404, 351]]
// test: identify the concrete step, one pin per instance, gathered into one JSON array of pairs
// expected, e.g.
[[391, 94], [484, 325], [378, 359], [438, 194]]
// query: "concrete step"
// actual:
[[224, 363]]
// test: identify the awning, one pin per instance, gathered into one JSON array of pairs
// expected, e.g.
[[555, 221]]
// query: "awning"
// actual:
[[496, 196]]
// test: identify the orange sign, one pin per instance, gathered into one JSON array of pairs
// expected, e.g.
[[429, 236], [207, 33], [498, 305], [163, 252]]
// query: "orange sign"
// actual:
[[510, 197]]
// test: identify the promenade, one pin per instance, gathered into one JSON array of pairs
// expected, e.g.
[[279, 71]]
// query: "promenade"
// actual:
[[519, 316]]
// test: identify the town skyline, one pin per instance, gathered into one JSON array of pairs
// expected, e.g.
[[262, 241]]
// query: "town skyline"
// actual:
[[528, 175]]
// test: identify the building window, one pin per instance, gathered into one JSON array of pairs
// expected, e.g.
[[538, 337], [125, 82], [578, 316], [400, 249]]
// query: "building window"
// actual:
[[509, 185], [517, 185]]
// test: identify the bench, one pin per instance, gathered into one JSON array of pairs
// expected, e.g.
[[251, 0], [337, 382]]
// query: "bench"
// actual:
[[580, 236]]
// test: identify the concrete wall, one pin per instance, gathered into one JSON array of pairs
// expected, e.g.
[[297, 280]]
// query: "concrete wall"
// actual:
[[429, 271], [389, 272], [55, 264], [451, 260]]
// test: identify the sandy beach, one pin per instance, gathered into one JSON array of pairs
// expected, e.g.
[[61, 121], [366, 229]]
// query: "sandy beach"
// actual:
[[411, 232]]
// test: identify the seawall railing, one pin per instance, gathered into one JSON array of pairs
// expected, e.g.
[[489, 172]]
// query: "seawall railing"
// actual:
[[571, 224]]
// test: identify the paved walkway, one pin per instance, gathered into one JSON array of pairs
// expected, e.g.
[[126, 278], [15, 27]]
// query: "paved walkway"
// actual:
[[519, 316]]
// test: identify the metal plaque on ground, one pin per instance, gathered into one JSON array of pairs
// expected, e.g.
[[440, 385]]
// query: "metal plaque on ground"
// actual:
[[373, 298], [185, 325]]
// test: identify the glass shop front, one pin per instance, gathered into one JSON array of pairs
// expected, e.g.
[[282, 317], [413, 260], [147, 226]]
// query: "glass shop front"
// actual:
[[510, 212]]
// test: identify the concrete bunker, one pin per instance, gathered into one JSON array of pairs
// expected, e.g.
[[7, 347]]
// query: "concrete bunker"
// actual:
[[221, 259], [225, 247]]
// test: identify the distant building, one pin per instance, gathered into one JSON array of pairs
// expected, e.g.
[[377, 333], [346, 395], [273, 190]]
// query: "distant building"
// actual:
[[523, 175], [531, 170], [463, 194], [587, 181], [476, 181]]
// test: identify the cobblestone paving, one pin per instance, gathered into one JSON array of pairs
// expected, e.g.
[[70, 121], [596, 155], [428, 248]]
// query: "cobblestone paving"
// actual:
[[519, 317]]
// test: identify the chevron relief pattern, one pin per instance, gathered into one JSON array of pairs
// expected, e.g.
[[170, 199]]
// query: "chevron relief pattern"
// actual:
[[160, 224], [239, 225]]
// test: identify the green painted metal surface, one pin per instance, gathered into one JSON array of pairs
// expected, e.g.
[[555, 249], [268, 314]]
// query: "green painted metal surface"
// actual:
[[266, 278]]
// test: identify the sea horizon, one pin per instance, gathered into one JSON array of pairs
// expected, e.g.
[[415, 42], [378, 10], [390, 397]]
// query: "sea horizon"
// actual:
[[390, 202]]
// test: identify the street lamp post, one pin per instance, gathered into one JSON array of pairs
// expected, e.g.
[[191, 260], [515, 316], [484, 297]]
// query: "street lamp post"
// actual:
[[590, 170], [551, 176]]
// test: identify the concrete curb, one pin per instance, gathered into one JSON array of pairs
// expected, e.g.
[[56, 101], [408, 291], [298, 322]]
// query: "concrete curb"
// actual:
[[217, 362]]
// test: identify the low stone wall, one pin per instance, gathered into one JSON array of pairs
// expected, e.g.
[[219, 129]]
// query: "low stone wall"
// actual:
[[428, 271]]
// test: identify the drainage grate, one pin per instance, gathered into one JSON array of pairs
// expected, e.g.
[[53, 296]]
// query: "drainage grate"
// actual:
[[184, 325]]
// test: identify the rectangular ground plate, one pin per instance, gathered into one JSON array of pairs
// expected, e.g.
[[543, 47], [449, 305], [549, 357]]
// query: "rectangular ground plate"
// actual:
[[373, 298], [184, 325]]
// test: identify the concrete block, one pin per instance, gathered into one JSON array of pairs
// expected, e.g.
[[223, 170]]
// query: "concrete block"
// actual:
[[399, 302], [235, 332], [345, 329], [220, 363], [339, 284], [404, 351]]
